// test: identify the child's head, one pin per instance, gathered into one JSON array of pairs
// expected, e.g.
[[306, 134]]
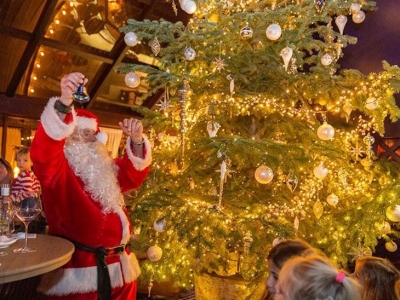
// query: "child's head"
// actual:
[[315, 277], [279, 254], [378, 277], [23, 159]]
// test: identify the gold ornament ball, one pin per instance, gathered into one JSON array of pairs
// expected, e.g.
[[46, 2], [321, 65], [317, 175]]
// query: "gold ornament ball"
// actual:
[[154, 253], [393, 213], [326, 132], [264, 174], [391, 246]]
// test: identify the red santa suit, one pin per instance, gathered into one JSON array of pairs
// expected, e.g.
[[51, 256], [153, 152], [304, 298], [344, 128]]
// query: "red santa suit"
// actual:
[[87, 209]]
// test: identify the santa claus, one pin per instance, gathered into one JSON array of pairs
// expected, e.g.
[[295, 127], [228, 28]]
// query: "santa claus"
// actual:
[[82, 196]]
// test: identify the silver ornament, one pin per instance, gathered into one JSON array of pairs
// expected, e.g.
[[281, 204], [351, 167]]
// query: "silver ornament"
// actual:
[[246, 33]]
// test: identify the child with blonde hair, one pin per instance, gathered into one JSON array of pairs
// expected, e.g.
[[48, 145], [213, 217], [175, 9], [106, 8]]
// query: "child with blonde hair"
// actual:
[[314, 277], [26, 182]]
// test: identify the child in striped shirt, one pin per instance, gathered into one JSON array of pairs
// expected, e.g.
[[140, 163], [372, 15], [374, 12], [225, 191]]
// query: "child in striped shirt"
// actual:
[[26, 182]]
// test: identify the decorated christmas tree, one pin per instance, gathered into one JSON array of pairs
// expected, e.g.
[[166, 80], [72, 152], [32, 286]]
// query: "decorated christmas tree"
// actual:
[[260, 135]]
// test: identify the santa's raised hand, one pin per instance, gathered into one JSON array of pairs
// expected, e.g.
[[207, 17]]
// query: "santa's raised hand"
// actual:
[[69, 84], [133, 128]]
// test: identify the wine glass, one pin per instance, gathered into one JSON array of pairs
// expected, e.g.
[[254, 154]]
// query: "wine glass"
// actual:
[[26, 210], [80, 96], [6, 217]]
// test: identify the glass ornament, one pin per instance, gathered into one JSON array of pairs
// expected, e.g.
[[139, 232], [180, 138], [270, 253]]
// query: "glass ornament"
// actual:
[[189, 7], [326, 59], [320, 171], [393, 213], [160, 224], [246, 33], [358, 17], [326, 132], [286, 54], [80, 96], [332, 200], [355, 8], [391, 246], [155, 46], [131, 39], [371, 103], [273, 32], [189, 54], [132, 80], [291, 181], [264, 174], [319, 5], [368, 140], [212, 128], [340, 22], [154, 253], [383, 227]]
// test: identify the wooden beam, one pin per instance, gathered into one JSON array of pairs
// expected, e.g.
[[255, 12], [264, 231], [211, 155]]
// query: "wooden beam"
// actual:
[[31, 48]]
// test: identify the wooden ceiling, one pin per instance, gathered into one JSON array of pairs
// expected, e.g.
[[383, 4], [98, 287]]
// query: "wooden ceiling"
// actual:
[[41, 41]]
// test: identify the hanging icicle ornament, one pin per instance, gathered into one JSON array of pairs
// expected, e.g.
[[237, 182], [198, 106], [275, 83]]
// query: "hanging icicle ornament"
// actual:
[[224, 174], [131, 39], [155, 46], [273, 32], [286, 54], [175, 9], [189, 54], [264, 174], [247, 241], [340, 22], [132, 80], [231, 84], [319, 5], [183, 91], [326, 132], [347, 109], [150, 285]]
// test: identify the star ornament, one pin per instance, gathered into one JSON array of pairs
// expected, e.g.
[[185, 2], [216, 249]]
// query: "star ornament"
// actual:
[[219, 64], [164, 105], [358, 252]]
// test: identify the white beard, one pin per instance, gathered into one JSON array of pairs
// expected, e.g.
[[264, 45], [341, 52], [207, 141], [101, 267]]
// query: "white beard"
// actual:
[[91, 162]]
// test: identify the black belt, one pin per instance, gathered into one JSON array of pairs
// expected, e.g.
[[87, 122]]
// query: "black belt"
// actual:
[[103, 277]]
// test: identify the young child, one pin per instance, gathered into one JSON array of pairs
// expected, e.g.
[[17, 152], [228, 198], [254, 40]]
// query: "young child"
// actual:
[[26, 182], [314, 277]]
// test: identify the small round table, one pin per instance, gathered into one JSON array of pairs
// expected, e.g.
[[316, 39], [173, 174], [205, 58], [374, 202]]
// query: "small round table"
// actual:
[[51, 253]]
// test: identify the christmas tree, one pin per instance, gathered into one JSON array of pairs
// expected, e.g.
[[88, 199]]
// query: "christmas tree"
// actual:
[[259, 136]]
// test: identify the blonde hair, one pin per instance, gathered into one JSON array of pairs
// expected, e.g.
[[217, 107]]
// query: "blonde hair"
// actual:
[[23, 151], [379, 278], [314, 277]]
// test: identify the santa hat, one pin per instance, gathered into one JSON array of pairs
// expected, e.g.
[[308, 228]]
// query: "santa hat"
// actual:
[[86, 119]]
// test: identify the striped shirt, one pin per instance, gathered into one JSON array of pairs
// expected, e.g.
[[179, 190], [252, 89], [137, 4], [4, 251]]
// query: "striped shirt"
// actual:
[[25, 182]]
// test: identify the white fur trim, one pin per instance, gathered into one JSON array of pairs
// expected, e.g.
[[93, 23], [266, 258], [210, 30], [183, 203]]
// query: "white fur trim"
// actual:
[[125, 224], [102, 137], [89, 123], [139, 163], [79, 280], [53, 125]]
